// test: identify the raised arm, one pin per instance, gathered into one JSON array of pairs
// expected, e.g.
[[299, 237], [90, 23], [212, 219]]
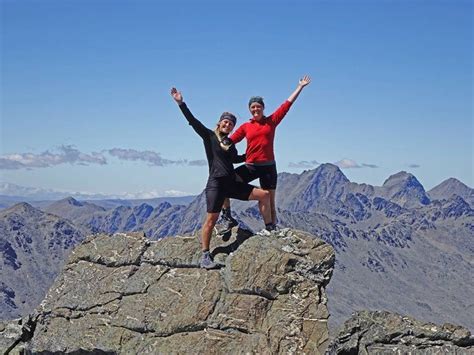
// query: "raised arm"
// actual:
[[302, 83], [193, 121]]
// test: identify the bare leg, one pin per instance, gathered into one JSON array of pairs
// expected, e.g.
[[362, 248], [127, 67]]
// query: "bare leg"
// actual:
[[209, 224], [273, 206], [263, 198]]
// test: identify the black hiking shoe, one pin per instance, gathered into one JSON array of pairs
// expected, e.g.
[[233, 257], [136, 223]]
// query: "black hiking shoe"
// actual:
[[225, 226]]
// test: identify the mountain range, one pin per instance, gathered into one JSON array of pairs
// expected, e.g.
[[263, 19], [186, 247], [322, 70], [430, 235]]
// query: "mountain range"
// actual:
[[33, 247], [398, 247], [11, 194]]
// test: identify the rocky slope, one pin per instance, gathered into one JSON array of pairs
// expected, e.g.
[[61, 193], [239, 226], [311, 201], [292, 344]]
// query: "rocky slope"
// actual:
[[388, 333], [450, 188], [162, 220], [127, 294], [33, 247]]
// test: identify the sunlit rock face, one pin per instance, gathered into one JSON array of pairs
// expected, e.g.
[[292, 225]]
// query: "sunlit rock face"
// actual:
[[380, 332], [124, 293]]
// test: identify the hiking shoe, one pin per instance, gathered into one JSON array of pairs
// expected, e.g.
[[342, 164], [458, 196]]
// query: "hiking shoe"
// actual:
[[207, 262], [225, 226], [230, 221], [274, 228], [222, 229]]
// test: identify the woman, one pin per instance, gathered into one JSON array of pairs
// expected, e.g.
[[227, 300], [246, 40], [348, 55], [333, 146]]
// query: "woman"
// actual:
[[221, 184], [260, 159]]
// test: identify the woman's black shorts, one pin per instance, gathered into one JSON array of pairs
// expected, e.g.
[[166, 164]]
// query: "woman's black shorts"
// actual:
[[267, 175], [217, 189]]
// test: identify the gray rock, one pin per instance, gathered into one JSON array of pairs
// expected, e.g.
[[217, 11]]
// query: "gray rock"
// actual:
[[380, 332], [127, 294], [14, 334], [10, 335]]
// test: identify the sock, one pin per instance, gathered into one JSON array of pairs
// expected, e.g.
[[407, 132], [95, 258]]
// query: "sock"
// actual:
[[204, 252]]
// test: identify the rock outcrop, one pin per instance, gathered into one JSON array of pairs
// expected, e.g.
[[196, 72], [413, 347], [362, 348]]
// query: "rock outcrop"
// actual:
[[14, 334], [389, 333], [127, 294]]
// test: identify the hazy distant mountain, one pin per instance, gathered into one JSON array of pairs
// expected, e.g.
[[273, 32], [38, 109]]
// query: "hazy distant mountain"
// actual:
[[451, 187], [72, 209], [8, 201], [154, 202], [39, 194], [405, 190], [155, 221], [33, 246], [42, 198]]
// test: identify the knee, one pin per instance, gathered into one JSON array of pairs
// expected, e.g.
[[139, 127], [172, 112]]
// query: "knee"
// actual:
[[262, 196], [266, 196]]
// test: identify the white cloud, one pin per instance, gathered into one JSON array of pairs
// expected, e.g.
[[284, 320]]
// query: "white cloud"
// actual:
[[197, 162], [35, 193], [153, 158], [66, 154], [303, 164], [139, 195], [175, 193], [351, 164], [373, 166], [347, 164], [10, 163]]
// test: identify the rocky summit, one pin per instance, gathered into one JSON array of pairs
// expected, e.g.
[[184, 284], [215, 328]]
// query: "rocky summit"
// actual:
[[380, 332], [126, 294]]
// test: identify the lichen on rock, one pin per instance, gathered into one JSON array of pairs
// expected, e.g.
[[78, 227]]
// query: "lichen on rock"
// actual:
[[381, 332], [126, 294]]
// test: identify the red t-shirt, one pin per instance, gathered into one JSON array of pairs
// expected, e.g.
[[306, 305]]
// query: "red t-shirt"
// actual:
[[260, 135]]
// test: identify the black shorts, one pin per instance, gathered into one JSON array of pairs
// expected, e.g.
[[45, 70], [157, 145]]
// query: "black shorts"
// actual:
[[217, 189], [267, 175]]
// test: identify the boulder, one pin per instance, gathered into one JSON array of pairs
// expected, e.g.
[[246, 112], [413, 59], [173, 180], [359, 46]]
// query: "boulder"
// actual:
[[381, 332], [126, 294]]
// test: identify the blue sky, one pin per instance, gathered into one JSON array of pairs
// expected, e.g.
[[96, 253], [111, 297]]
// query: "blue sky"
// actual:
[[85, 102]]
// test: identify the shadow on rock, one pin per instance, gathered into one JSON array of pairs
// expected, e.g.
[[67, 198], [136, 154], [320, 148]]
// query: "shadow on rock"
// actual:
[[241, 235]]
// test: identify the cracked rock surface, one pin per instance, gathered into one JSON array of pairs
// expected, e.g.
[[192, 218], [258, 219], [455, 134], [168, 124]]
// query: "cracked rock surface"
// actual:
[[126, 294], [381, 332]]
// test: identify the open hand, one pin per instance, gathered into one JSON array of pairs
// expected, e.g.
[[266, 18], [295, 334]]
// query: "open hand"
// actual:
[[305, 81], [176, 95]]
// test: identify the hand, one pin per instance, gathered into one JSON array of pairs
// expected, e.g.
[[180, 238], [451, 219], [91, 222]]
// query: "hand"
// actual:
[[304, 81], [177, 95]]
